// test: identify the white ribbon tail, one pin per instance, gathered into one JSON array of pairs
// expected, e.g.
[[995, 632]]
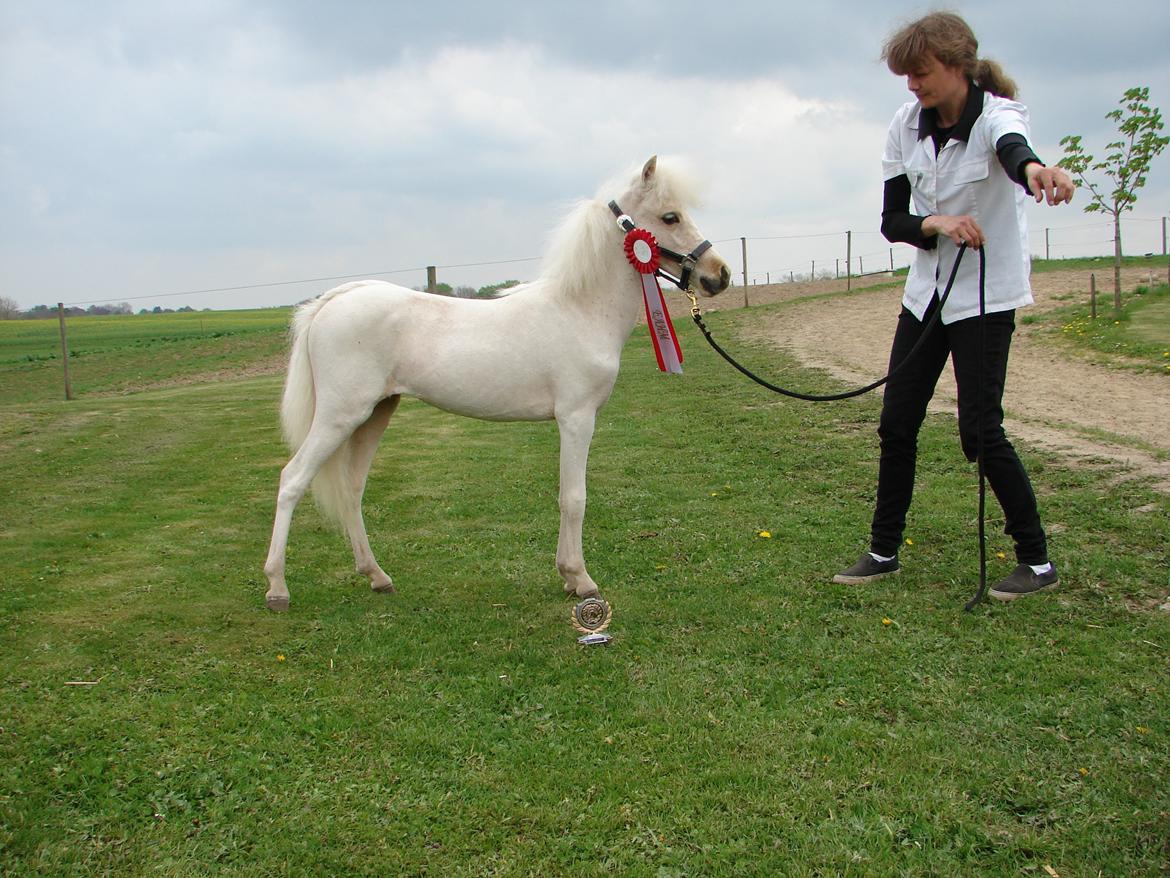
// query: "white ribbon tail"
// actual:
[[666, 347]]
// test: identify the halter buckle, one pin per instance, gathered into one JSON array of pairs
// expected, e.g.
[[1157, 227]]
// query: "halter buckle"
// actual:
[[687, 263]]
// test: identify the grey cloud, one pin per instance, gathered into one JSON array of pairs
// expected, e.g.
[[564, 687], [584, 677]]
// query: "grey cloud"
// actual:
[[205, 129]]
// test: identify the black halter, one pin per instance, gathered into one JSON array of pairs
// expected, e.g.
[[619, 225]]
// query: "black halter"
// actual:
[[686, 263]]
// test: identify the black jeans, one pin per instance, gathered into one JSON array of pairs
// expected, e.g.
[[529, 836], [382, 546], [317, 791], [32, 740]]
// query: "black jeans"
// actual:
[[904, 408]]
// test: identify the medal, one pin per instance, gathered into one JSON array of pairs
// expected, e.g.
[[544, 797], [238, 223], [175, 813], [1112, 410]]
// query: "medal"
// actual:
[[591, 617]]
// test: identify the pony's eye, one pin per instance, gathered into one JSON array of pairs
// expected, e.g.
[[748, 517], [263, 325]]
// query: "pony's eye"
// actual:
[[670, 218]]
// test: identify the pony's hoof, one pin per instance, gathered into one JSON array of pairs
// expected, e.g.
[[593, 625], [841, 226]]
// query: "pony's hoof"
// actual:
[[582, 592], [278, 603], [384, 588]]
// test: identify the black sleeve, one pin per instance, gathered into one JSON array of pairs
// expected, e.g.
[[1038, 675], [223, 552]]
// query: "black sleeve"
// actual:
[[899, 225], [1015, 154]]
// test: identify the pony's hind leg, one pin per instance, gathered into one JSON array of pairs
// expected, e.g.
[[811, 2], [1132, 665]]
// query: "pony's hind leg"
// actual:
[[325, 437], [363, 446]]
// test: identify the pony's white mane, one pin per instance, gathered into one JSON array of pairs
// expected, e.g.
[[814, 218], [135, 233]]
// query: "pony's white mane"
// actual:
[[583, 240]]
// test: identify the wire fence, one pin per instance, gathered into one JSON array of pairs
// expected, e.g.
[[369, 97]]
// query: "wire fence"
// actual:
[[851, 253], [754, 259], [824, 255]]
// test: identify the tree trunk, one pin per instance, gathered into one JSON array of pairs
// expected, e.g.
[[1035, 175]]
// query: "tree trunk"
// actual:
[[1117, 262]]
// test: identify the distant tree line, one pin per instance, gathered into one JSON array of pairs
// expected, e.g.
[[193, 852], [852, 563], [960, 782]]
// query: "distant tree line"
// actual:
[[464, 292], [10, 310]]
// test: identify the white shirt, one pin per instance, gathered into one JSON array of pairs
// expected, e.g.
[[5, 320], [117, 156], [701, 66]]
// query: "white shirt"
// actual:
[[965, 178]]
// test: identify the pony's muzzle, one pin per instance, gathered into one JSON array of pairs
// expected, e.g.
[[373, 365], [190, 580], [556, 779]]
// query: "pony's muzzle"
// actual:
[[712, 285]]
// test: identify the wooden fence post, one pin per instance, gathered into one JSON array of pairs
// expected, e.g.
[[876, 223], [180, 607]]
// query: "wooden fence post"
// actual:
[[1093, 296], [743, 248], [432, 280], [849, 260], [64, 349]]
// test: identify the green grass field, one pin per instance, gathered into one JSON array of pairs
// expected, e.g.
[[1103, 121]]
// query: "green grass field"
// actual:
[[749, 718], [1102, 266], [126, 353], [1136, 338]]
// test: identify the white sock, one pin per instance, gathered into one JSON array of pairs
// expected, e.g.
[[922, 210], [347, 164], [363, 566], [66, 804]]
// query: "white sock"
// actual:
[[1041, 568], [883, 560]]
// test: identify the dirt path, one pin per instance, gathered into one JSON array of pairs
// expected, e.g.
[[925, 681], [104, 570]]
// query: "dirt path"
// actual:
[[1090, 414]]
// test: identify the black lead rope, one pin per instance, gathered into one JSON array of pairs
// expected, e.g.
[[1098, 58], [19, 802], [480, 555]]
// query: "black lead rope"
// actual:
[[849, 394], [970, 605]]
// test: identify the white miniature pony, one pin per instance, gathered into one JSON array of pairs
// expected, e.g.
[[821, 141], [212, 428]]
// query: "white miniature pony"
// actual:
[[550, 349]]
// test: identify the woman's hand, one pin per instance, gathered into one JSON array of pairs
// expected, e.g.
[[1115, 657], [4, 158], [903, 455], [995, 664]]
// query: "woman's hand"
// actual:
[[960, 229], [1053, 184]]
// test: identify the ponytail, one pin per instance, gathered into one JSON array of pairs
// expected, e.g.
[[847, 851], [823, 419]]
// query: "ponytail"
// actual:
[[990, 77]]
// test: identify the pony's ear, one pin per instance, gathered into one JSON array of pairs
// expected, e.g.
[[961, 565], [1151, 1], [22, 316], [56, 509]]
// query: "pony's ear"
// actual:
[[648, 169]]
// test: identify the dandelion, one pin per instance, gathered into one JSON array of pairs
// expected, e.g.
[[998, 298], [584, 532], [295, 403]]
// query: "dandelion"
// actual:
[[887, 622], [1000, 555], [765, 534], [714, 493], [1084, 772], [909, 542], [280, 657], [1143, 730]]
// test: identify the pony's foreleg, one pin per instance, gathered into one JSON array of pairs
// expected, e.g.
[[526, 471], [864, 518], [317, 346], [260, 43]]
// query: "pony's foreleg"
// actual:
[[295, 479], [364, 445], [576, 434]]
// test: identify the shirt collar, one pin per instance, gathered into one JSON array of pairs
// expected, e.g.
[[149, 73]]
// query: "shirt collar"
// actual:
[[928, 117]]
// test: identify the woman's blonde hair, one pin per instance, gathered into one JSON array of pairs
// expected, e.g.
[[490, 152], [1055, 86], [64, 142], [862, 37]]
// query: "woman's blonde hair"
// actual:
[[949, 39]]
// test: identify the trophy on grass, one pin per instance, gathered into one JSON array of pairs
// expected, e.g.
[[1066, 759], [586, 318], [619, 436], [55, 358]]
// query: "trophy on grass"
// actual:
[[591, 617]]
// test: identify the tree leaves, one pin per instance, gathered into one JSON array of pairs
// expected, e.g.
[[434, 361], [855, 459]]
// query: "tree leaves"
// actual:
[[1129, 159], [1126, 164]]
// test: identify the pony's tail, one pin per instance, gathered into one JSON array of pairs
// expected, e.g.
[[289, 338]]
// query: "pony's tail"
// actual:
[[332, 486]]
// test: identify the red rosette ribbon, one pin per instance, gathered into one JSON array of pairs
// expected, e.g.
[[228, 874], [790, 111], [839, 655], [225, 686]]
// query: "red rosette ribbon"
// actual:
[[642, 251]]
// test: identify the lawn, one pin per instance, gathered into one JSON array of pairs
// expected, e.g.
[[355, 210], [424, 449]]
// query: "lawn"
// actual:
[[749, 718], [124, 353], [1136, 338], [1103, 265]]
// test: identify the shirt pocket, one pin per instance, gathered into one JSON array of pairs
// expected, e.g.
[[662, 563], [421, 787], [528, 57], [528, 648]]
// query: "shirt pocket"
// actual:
[[972, 171], [922, 175]]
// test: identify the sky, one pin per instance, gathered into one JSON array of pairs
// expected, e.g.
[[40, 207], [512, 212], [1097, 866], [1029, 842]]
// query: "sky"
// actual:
[[252, 153]]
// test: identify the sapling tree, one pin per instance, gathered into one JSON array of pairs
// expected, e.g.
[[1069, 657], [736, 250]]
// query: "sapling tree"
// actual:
[[1126, 165]]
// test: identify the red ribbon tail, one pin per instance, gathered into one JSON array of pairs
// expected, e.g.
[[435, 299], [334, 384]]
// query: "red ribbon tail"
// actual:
[[667, 350]]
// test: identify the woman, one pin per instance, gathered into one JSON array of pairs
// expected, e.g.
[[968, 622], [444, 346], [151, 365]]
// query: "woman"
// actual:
[[957, 165]]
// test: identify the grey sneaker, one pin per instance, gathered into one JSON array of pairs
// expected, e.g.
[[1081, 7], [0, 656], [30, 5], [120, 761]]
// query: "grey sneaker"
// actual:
[[1022, 581], [867, 570]]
